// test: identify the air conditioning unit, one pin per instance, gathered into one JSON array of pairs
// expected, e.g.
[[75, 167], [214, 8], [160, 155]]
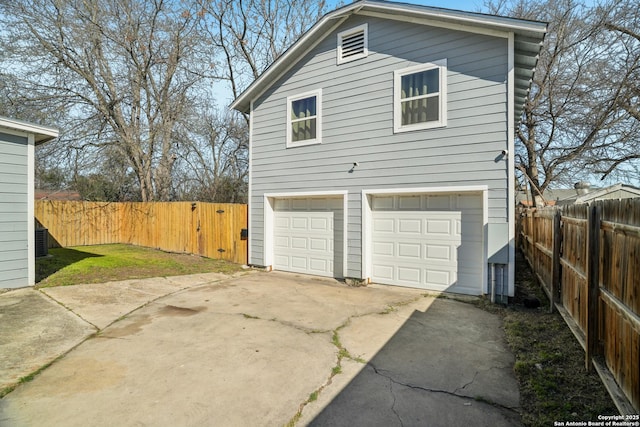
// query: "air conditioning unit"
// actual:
[[42, 242]]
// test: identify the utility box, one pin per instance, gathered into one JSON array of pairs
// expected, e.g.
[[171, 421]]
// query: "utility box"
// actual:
[[42, 242]]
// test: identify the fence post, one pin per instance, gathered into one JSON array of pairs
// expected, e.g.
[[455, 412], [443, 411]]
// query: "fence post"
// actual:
[[555, 286], [534, 251], [593, 283]]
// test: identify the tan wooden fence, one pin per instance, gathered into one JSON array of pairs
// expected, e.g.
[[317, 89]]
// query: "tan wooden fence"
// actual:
[[587, 259], [209, 229]]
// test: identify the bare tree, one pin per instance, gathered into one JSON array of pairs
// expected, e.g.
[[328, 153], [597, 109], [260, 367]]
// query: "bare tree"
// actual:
[[572, 114], [251, 34], [618, 154], [122, 70], [213, 159]]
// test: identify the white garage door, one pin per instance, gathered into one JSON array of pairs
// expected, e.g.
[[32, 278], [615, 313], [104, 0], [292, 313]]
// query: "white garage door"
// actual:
[[307, 236], [431, 242]]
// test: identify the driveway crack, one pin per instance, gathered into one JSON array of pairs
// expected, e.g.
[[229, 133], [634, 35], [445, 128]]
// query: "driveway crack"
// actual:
[[433, 390]]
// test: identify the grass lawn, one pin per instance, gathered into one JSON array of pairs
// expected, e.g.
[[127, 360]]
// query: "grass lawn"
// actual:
[[554, 384], [104, 263]]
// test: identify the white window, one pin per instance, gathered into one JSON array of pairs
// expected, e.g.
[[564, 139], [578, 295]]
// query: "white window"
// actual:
[[304, 119], [420, 97], [353, 44]]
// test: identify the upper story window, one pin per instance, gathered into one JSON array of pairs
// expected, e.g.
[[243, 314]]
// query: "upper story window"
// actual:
[[304, 119], [420, 97], [353, 44]]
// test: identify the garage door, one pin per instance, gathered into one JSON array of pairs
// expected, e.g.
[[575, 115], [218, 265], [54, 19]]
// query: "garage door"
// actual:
[[431, 242], [308, 236]]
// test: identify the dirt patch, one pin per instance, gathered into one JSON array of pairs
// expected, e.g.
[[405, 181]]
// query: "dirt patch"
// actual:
[[172, 310], [554, 384]]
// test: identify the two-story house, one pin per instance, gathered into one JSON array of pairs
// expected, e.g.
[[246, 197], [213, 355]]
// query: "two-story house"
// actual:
[[381, 147]]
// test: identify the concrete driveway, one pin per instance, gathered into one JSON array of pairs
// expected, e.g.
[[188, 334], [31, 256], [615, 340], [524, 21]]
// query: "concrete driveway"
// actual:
[[265, 349]]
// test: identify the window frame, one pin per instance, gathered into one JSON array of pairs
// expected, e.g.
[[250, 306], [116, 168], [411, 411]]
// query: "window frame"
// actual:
[[290, 99], [341, 35], [441, 65]]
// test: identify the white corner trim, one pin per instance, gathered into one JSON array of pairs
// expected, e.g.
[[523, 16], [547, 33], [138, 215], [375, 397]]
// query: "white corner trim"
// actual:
[[269, 224], [31, 227], [249, 187], [511, 186]]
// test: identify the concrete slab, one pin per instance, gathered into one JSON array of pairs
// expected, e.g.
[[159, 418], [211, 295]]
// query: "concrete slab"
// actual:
[[448, 365], [103, 303], [252, 350], [34, 331]]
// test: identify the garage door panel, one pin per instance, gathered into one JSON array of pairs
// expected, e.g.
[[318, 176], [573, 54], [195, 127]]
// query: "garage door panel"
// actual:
[[440, 278], [428, 241], [409, 275], [318, 244], [298, 243], [438, 253], [282, 242], [282, 222], [304, 235], [383, 272], [300, 223], [320, 224], [409, 250], [384, 225], [299, 262], [282, 261], [438, 227], [410, 226], [383, 248]]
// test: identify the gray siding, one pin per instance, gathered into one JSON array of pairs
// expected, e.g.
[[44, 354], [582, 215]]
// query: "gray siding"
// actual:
[[13, 211], [357, 124]]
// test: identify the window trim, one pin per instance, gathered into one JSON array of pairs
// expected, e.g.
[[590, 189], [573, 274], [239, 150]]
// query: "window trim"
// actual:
[[318, 139], [397, 107], [341, 35]]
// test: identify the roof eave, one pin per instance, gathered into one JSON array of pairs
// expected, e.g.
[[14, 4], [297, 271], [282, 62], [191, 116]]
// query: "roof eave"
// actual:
[[530, 33], [41, 133]]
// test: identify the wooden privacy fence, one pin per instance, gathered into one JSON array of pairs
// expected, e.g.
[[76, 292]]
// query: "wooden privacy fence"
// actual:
[[587, 259], [212, 230]]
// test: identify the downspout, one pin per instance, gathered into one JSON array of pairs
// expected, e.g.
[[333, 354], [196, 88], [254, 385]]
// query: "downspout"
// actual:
[[493, 283]]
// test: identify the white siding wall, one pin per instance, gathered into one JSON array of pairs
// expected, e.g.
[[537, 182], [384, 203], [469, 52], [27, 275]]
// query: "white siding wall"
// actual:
[[358, 124]]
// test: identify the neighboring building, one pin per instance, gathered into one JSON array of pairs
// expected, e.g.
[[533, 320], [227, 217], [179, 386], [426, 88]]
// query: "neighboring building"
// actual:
[[379, 147], [57, 195], [583, 194], [586, 194], [17, 229]]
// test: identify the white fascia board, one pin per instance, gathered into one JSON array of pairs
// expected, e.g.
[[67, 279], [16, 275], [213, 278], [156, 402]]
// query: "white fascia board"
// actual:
[[431, 16], [41, 133], [431, 22], [457, 20]]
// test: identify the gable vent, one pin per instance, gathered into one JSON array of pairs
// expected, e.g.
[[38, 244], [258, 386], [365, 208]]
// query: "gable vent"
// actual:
[[352, 44]]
